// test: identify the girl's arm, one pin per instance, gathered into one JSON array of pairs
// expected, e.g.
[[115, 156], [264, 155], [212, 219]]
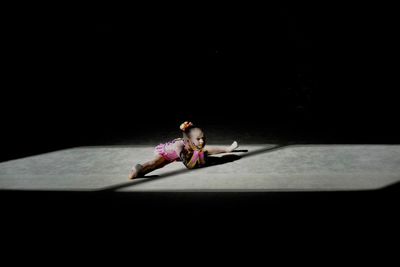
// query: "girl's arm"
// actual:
[[212, 150]]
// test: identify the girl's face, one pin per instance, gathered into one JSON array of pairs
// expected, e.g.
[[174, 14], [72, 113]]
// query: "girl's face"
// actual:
[[197, 138]]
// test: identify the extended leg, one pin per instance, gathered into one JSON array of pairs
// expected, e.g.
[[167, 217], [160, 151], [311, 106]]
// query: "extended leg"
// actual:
[[142, 169], [212, 150]]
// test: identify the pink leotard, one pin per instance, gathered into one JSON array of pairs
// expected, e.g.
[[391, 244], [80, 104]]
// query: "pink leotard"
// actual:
[[167, 150]]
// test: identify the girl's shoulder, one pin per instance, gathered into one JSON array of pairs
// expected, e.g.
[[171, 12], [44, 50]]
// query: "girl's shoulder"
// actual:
[[179, 145], [179, 142]]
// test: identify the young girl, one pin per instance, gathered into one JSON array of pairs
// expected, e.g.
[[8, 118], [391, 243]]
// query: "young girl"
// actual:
[[191, 150]]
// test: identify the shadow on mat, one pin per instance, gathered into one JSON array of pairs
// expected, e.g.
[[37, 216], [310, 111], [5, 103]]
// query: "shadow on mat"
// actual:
[[211, 161]]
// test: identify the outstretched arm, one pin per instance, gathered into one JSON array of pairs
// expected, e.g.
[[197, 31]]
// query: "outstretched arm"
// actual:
[[212, 150]]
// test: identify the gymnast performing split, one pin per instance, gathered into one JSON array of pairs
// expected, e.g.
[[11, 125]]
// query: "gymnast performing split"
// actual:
[[191, 149]]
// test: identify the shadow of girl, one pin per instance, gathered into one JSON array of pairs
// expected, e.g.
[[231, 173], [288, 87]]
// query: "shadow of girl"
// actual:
[[212, 160]]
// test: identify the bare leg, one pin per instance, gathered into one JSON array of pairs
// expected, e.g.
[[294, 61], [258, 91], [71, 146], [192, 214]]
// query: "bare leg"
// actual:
[[141, 170], [212, 150]]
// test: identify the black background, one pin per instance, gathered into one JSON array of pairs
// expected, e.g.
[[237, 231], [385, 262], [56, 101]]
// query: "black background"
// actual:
[[90, 74]]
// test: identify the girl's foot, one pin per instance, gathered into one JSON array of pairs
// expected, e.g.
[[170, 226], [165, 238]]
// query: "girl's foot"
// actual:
[[135, 172], [232, 147]]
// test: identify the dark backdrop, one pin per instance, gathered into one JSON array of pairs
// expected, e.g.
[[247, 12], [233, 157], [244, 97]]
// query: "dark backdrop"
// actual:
[[89, 74]]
